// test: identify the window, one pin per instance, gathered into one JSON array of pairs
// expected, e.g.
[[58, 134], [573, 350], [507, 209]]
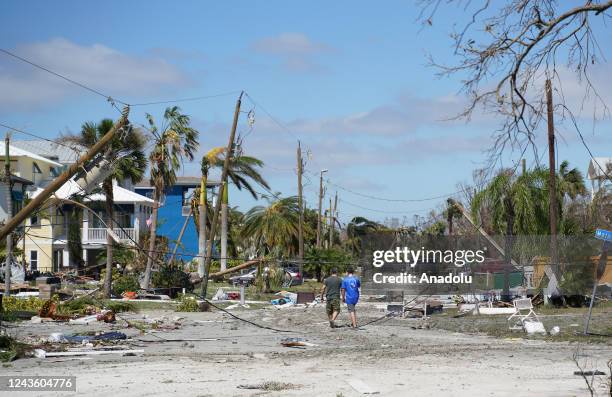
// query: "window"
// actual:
[[33, 260], [35, 170], [34, 220]]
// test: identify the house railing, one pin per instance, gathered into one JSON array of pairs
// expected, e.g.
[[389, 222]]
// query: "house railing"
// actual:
[[126, 234]]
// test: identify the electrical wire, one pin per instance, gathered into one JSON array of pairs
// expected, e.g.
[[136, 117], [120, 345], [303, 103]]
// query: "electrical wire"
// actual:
[[198, 98], [85, 87]]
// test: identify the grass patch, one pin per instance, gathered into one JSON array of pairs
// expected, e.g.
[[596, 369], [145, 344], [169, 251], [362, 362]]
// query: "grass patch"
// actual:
[[11, 350]]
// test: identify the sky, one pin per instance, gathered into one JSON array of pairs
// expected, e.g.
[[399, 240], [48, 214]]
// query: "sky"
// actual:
[[350, 80]]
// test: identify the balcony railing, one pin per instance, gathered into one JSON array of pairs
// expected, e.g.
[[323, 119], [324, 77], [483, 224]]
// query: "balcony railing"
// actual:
[[126, 234]]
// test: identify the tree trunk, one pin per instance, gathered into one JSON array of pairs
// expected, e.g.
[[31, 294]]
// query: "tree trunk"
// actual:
[[108, 191], [508, 253], [152, 237]]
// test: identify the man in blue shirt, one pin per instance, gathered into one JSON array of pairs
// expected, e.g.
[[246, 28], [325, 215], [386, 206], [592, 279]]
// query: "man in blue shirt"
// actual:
[[350, 294]]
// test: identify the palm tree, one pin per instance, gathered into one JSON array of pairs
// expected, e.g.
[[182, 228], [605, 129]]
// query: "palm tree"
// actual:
[[128, 160], [242, 170], [517, 205], [274, 227], [174, 142], [356, 229]]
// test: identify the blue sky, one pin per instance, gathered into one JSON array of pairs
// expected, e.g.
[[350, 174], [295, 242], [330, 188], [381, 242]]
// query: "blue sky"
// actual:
[[348, 78]]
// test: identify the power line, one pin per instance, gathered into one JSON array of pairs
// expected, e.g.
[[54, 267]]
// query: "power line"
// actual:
[[394, 200], [186, 99], [382, 211], [107, 97]]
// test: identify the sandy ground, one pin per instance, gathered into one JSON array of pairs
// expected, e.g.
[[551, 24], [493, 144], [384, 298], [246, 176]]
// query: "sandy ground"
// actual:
[[389, 358]]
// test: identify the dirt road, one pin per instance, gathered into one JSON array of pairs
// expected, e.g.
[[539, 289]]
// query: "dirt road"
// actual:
[[389, 358]]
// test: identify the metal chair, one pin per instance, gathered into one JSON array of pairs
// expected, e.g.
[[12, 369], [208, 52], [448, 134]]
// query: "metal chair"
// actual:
[[523, 312]]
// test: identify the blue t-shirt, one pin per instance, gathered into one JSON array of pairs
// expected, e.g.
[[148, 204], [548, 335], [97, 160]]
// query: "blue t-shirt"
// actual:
[[351, 284]]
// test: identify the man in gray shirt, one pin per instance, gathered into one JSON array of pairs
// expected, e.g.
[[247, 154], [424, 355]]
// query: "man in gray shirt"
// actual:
[[331, 290]]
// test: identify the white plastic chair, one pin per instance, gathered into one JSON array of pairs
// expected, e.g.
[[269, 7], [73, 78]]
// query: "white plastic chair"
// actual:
[[523, 312]]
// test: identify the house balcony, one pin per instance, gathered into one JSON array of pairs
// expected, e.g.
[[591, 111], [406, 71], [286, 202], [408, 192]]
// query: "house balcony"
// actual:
[[98, 235]]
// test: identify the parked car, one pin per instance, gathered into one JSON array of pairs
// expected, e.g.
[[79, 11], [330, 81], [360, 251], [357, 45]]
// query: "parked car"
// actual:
[[292, 272]]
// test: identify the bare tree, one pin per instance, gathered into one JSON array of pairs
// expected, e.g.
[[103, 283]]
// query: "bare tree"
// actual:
[[507, 48]]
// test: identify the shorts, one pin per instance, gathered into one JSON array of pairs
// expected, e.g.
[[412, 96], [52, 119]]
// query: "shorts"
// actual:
[[350, 307], [333, 305]]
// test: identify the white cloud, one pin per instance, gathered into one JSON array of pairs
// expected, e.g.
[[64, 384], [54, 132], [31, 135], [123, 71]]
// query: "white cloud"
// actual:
[[296, 51], [98, 66]]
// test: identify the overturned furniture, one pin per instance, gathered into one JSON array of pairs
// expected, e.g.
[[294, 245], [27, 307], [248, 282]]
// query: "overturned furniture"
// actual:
[[523, 313]]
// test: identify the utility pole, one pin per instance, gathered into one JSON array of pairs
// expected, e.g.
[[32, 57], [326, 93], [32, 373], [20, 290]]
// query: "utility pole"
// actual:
[[202, 224], [58, 182], [552, 192], [332, 219], [224, 203], [9, 237], [524, 164], [320, 208], [180, 237], [300, 166], [213, 225]]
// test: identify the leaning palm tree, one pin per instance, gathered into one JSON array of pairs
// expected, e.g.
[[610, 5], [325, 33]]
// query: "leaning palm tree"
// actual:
[[242, 171], [174, 142], [275, 227], [128, 162]]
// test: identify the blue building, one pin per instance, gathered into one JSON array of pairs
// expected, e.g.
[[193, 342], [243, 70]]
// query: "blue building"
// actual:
[[174, 210]]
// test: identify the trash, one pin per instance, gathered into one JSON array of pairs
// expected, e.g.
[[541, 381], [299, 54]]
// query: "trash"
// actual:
[[58, 337], [40, 353], [296, 342], [534, 327], [108, 317], [129, 295], [305, 297], [555, 330], [361, 387], [233, 295], [589, 373], [84, 320], [219, 295]]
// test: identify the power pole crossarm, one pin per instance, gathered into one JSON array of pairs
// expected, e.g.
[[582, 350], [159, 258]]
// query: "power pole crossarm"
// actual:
[[64, 177]]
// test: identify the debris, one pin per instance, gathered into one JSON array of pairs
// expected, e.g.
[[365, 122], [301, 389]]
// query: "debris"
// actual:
[[108, 317], [296, 342], [305, 297], [555, 330], [496, 310], [589, 373], [361, 387], [534, 327], [270, 386], [40, 353]]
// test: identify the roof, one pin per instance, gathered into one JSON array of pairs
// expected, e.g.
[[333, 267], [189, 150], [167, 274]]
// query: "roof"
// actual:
[[15, 151], [51, 150], [120, 195], [23, 181], [190, 181], [595, 169]]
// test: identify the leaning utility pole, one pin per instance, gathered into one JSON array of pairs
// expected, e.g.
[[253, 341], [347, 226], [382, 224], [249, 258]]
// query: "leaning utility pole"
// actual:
[[300, 166], [213, 225], [552, 193], [320, 209], [9, 237], [58, 182]]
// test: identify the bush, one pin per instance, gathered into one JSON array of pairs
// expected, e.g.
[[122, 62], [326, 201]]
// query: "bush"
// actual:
[[188, 304], [11, 304], [169, 277], [119, 307], [125, 283]]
